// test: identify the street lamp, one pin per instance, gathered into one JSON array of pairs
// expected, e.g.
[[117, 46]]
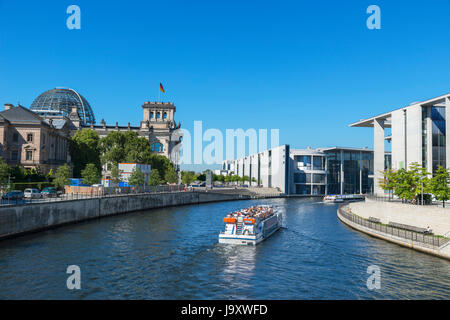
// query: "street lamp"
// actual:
[[421, 183]]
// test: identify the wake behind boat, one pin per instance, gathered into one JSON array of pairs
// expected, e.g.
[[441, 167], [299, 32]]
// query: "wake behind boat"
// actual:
[[250, 226]]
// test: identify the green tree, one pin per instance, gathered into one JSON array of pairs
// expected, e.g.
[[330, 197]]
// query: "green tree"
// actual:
[[388, 181], [50, 176], [5, 172], [409, 184], [235, 178], [18, 173], [84, 148], [404, 185], [62, 176], [439, 185], [420, 180], [90, 174], [127, 146], [245, 179], [159, 162], [154, 178], [171, 175], [116, 174], [227, 179], [187, 177], [136, 178]]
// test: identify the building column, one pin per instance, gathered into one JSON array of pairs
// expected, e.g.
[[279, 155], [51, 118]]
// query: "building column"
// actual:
[[378, 154], [342, 173], [447, 132], [360, 172], [429, 142]]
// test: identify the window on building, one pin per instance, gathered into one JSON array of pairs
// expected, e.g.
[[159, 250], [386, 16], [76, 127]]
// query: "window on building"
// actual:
[[165, 115], [303, 161], [29, 137], [158, 115], [29, 155], [15, 137], [318, 178], [302, 189], [152, 115], [318, 163], [157, 147], [14, 155]]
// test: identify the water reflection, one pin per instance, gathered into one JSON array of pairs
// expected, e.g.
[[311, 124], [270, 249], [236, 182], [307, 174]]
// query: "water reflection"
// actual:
[[238, 264], [173, 253]]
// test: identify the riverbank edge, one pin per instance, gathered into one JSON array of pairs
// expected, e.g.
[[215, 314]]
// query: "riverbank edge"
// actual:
[[391, 238], [198, 198]]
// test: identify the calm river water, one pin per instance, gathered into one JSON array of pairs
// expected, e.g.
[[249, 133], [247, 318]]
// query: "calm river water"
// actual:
[[173, 253]]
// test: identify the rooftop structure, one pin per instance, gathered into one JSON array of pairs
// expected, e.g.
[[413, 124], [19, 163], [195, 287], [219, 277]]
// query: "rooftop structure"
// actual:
[[61, 102], [418, 133]]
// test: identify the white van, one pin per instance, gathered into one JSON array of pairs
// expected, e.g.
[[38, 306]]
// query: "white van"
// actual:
[[32, 193]]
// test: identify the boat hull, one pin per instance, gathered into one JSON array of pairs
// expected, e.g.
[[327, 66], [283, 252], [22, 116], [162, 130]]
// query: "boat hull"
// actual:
[[247, 240]]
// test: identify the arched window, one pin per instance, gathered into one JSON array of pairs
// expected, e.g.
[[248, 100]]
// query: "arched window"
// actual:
[[158, 115], [164, 115], [152, 115], [157, 147]]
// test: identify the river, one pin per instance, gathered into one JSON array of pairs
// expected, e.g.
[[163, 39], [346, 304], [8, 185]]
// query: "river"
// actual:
[[173, 253]]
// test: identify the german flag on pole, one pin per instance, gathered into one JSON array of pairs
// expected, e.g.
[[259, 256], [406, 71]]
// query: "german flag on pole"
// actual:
[[161, 88]]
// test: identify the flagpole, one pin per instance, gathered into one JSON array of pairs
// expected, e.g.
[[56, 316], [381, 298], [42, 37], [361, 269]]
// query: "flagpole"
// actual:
[[159, 94]]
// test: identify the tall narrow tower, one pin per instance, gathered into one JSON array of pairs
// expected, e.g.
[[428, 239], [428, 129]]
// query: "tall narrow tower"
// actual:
[[160, 128]]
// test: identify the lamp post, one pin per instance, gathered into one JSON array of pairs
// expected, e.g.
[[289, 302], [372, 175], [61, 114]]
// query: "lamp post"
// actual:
[[421, 184]]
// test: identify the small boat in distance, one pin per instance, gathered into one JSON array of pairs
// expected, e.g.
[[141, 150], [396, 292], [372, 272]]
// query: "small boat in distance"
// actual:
[[333, 199], [250, 226], [341, 198]]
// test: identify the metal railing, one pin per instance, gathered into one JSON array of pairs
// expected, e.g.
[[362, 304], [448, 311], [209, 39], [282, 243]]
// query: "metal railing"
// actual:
[[428, 239], [98, 193], [387, 198]]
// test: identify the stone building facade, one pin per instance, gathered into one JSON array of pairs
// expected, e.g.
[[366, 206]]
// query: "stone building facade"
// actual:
[[31, 141], [158, 126]]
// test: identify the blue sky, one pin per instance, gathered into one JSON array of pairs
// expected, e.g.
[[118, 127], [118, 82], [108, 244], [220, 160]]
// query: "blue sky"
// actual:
[[308, 68]]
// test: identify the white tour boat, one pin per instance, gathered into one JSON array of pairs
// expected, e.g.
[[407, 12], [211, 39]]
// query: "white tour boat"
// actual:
[[250, 226], [342, 198], [333, 199]]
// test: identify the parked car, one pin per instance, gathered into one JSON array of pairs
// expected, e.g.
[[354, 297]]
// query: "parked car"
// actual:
[[32, 193], [49, 192], [13, 195]]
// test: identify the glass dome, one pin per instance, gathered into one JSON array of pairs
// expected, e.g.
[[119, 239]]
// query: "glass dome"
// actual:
[[59, 101]]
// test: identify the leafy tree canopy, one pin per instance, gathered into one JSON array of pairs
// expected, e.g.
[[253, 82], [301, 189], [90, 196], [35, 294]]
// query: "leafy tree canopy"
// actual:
[[187, 177], [154, 178], [91, 174], [136, 178], [84, 148], [62, 176]]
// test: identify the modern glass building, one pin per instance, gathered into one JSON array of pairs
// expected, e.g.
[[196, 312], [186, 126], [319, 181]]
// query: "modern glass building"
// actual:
[[350, 170], [310, 171], [418, 134], [60, 102]]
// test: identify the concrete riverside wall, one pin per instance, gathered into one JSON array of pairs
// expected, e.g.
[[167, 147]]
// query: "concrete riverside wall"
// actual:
[[20, 219], [443, 251], [419, 216]]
